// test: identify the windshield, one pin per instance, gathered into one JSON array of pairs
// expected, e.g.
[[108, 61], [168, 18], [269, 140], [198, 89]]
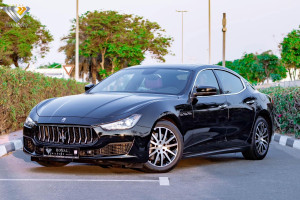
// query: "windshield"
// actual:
[[150, 80]]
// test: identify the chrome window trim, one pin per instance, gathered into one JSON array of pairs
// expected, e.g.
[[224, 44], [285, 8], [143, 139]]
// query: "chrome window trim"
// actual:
[[244, 87]]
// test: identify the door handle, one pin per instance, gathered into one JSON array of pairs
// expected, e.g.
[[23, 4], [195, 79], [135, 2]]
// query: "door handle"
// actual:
[[250, 102], [223, 106]]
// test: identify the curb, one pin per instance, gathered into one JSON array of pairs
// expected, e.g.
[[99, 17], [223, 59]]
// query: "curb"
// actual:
[[287, 141], [11, 146]]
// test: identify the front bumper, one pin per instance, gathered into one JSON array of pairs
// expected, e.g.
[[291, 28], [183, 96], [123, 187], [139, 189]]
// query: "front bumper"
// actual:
[[126, 146]]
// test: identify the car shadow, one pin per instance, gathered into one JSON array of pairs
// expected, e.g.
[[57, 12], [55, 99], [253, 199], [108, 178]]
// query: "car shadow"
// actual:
[[209, 160], [94, 169], [19, 154], [83, 169]]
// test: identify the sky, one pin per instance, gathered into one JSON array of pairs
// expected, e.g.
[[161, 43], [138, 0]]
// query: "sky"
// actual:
[[253, 26]]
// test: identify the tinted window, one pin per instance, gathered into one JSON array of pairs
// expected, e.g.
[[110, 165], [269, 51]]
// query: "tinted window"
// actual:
[[150, 80], [230, 83], [207, 78]]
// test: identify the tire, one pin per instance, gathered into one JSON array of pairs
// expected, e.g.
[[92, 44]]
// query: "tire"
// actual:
[[166, 148], [52, 163], [260, 141]]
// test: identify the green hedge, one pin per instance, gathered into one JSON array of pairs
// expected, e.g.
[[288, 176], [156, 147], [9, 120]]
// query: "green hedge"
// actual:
[[20, 91], [286, 108]]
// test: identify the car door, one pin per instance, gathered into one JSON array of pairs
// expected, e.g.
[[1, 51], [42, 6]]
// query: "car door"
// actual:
[[241, 106], [209, 117]]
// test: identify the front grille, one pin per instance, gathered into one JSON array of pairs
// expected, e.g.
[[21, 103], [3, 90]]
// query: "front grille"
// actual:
[[115, 149], [66, 134]]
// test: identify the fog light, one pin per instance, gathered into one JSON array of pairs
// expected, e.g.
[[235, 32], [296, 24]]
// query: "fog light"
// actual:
[[85, 153], [89, 152]]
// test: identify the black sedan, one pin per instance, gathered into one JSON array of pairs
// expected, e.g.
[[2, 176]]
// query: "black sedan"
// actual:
[[150, 117]]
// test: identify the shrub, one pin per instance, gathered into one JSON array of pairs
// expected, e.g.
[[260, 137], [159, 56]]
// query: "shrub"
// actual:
[[286, 108], [20, 91]]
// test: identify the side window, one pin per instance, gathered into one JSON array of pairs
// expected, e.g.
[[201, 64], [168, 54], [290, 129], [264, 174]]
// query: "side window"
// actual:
[[207, 78], [230, 83]]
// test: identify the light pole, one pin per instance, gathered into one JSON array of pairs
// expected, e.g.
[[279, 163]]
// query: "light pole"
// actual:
[[181, 11], [209, 34], [224, 29], [77, 45]]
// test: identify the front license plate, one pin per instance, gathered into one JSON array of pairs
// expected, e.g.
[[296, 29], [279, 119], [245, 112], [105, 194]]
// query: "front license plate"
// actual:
[[61, 152]]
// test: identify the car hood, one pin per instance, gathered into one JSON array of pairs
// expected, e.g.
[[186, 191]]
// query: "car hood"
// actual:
[[100, 105]]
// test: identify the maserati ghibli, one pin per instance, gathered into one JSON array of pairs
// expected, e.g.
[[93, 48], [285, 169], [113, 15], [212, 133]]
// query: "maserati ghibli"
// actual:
[[150, 117]]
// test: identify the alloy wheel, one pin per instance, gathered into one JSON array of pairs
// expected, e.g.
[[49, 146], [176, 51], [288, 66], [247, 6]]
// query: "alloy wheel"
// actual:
[[261, 138], [163, 147]]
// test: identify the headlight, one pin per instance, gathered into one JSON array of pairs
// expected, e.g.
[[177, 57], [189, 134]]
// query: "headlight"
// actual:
[[29, 122], [123, 124]]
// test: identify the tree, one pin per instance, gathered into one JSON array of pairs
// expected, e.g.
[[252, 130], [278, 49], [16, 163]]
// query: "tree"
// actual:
[[256, 68], [290, 52], [248, 67], [228, 64], [251, 69], [271, 65], [110, 41], [17, 42]]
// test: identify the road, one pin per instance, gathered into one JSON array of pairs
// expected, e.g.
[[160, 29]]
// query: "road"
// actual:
[[215, 177]]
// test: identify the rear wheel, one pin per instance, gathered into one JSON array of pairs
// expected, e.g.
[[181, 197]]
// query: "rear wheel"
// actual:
[[260, 141], [166, 148], [52, 163]]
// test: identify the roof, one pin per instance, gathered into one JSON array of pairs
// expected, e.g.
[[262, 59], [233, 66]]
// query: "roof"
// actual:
[[193, 67]]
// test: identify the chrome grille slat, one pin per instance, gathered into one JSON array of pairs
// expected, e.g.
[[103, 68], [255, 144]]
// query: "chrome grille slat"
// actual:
[[66, 134], [74, 135], [69, 135], [58, 135], [44, 134], [48, 133], [85, 136], [52, 134], [79, 135], [91, 133]]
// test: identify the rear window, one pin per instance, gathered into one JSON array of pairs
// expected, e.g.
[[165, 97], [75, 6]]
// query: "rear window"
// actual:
[[230, 83]]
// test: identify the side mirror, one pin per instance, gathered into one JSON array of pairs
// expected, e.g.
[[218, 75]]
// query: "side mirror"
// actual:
[[205, 91], [89, 86]]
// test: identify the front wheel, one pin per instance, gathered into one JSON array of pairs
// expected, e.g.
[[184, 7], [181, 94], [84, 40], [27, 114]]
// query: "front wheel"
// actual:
[[166, 148], [260, 141]]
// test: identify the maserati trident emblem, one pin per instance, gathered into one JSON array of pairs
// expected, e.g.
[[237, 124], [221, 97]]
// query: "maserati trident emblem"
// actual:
[[63, 119], [48, 151], [62, 136]]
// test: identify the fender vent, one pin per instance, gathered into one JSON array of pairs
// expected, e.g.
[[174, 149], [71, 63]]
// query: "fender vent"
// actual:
[[28, 145]]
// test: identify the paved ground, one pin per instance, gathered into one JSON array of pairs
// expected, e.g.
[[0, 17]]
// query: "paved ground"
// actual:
[[12, 136], [216, 177]]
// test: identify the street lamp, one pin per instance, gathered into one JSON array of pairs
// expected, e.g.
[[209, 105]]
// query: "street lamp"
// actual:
[[77, 45], [224, 29], [181, 11]]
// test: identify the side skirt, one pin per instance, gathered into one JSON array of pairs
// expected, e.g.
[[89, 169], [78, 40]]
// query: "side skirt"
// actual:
[[223, 151]]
